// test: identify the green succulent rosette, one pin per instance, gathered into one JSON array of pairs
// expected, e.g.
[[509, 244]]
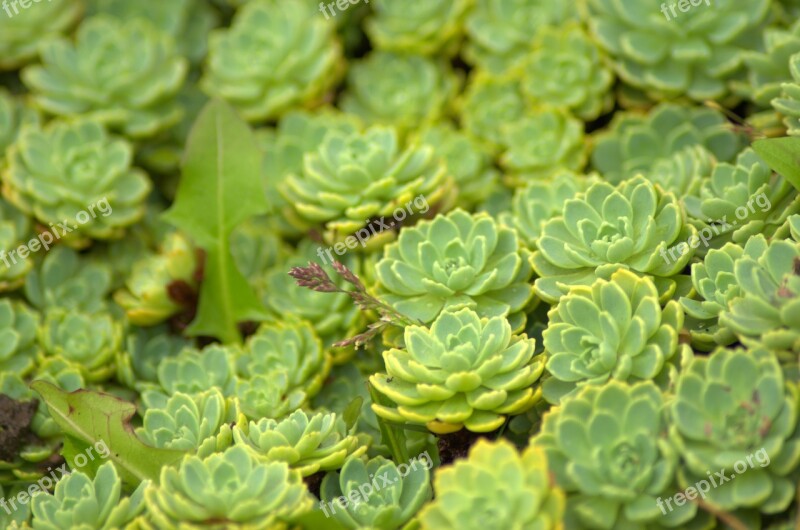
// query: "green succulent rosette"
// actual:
[[147, 297], [23, 31], [18, 518], [734, 410], [567, 69], [634, 143], [15, 228], [90, 341], [354, 180], [768, 310], [678, 173], [280, 369], [787, 104], [83, 502], [495, 487], [276, 56], [143, 351], [123, 73], [611, 330], [191, 372], [489, 105], [19, 324], [464, 372], [404, 91], [231, 490], [308, 443], [76, 173], [14, 115], [742, 200], [608, 228], [257, 247], [425, 27], [500, 31], [391, 505], [606, 447], [676, 54], [541, 144], [768, 69]]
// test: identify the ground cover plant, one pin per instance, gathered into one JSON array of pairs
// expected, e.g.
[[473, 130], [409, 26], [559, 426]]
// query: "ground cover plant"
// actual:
[[400, 264]]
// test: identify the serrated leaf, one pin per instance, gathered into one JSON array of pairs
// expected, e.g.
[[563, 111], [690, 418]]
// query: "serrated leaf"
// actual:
[[782, 155], [88, 417]]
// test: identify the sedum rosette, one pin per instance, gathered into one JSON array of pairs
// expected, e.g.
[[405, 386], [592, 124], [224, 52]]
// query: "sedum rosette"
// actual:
[[76, 173], [19, 351], [495, 487], [24, 30], [14, 115], [193, 371], [144, 349], [767, 70], [308, 443], [465, 371], [15, 228], [611, 330], [629, 226], [276, 56], [788, 102], [678, 173], [489, 105], [123, 73], [455, 261]]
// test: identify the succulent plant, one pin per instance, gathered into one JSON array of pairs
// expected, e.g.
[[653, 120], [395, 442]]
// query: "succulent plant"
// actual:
[[405, 91], [787, 103], [500, 31], [24, 30], [229, 490], [67, 280], [308, 443], [276, 56], [495, 487], [454, 261], [18, 326], [193, 371], [124, 73], [61, 173], [257, 247], [611, 330], [14, 115], [489, 105], [15, 227], [14, 519], [728, 408], [465, 371], [607, 449], [607, 228], [281, 367], [148, 297], [542, 144], [184, 421], [388, 506], [634, 143], [354, 179], [678, 173], [768, 69], [540, 201], [91, 341], [143, 351], [767, 310], [82, 502], [424, 27], [650, 47], [567, 69]]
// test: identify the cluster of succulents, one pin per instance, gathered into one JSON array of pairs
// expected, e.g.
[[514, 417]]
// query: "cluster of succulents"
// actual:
[[399, 265]]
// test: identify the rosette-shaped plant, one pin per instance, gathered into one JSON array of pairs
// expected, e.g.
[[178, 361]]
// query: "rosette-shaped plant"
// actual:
[[231, 490], [308, 443], [768, 310], [635, 143], [91, 341], [147, 297], [75, 173], [788, 104], [354, 179], [282, 366], [14, 115], [184, 421], [82, 503], [542, 144], [608, 228], [767, 70], [607, 449], [400, 496], [15, 228], [747, 197], [495, 487], [23, 30], [18, 326], [67, 280], [425, 27], [144, 350], [489, 104], [540, 201], [124, 73], [734, 411], [566, 69], [464, 371], [612, 329], [678, 173], [276, 56], [193, 371], [406, 91], [500, 31], [454, 261], [669, 54]]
